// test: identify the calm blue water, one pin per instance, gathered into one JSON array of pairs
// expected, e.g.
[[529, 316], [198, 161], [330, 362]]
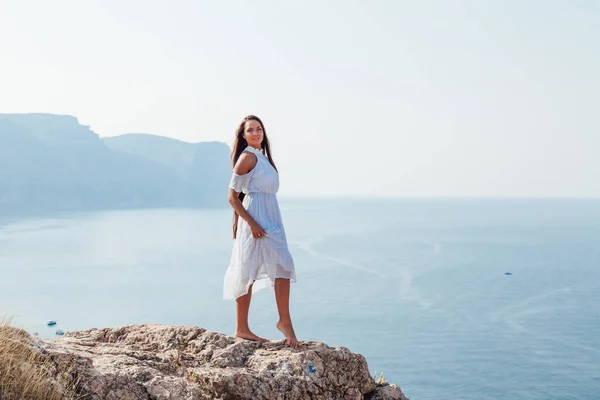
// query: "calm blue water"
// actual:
[[417, 286]]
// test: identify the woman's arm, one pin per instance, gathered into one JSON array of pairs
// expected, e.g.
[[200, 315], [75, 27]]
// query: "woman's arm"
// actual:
[[246, 163]]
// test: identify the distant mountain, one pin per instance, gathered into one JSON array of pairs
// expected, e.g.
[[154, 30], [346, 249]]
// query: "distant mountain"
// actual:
[[205, 166], [52, 163]]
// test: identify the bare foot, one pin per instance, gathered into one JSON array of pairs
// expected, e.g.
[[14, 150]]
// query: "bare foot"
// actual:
[[288, 332], [249, 336]]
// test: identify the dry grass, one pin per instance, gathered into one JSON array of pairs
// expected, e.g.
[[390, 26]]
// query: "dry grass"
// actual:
[[25, 372], [381, 380]]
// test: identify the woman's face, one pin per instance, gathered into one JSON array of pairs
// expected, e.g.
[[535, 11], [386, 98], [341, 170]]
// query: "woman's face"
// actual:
[[253, 133]]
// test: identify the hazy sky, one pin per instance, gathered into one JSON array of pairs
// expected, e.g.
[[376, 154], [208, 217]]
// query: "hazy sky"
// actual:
[[394, 98]]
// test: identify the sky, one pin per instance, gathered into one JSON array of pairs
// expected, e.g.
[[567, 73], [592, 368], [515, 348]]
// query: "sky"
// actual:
[[380, 98]]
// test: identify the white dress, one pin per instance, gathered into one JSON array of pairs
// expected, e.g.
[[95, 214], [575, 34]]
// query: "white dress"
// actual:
[[267, 258]]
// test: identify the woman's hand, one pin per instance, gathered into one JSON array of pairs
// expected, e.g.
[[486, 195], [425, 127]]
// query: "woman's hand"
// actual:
[[257, 231]]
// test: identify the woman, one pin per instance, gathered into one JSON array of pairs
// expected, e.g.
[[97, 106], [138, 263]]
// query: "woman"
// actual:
[[260, 253]]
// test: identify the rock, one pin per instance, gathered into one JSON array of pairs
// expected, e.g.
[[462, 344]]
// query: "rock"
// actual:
[[186, 362], [386, 392]]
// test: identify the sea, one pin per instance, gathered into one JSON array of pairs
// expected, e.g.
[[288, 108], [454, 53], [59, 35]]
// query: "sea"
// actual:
[[451, 298]]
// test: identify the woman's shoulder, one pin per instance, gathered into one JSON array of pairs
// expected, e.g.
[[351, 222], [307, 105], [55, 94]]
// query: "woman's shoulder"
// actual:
[[246, 163]]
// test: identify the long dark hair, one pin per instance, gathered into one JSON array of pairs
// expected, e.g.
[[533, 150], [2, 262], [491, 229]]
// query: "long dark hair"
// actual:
[[240, 145]]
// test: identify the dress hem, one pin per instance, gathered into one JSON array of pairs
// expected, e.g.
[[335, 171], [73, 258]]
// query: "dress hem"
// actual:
[[260, 279]]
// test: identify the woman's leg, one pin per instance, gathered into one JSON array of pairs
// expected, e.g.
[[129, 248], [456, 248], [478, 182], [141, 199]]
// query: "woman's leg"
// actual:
[[242, 329], [282, 297]]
